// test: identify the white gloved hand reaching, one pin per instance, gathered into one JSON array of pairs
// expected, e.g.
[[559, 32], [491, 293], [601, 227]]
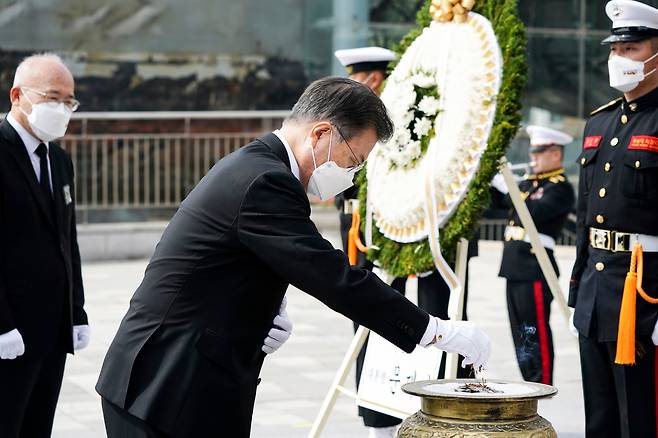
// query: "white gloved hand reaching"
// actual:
[[465, 338], [11, 345], [498, 183], [281, 330], [81, 336]]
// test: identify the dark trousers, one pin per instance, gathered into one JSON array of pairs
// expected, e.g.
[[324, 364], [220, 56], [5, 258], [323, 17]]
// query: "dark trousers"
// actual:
[[529, 308], [620, 400], [29, 389], [120, 424]]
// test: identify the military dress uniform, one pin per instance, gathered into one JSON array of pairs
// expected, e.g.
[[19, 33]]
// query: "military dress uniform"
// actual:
[[618, 207], [618, 200], [549, 198]]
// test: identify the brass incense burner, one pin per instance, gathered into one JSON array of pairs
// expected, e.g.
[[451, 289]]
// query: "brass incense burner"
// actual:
[[463, 408]]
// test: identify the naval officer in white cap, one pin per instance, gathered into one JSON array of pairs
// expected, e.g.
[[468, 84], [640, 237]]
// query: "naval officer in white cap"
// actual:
[[550, 198], [617, 209], [366, 65]]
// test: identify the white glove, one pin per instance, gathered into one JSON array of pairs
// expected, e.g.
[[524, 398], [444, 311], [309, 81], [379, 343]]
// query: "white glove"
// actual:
[[280, 332], [574, 330], [498, 183], [465, 338], [654, 335], [81, 335], [11, 345]]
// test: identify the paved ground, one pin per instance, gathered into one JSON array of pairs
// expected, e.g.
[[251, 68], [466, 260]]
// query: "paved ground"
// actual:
[[296, 378]]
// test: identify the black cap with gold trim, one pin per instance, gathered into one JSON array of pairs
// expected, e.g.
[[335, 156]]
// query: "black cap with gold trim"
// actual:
[[365, 59]]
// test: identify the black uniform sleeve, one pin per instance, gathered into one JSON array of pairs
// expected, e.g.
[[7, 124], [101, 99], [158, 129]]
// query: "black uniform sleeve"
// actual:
[[581, 243], [274, 224]]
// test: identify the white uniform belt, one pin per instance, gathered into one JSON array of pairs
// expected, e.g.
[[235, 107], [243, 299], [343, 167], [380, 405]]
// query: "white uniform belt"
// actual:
[[350, 206], [617, 241], [519, 233]]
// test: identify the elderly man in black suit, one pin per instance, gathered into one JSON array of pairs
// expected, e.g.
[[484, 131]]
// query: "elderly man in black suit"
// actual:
[[41, 295], [187, 355]]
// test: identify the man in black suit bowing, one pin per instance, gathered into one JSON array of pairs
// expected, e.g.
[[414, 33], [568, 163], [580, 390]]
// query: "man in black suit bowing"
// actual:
[[41, 296], [187, 355]]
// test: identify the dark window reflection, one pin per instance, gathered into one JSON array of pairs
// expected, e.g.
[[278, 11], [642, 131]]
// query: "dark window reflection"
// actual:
[[553, 74], [547, 13]]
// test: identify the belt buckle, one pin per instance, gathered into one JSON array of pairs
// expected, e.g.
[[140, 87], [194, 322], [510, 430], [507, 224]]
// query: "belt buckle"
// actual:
[[514, 233], [350, 206], [600, 239], [621, 242]]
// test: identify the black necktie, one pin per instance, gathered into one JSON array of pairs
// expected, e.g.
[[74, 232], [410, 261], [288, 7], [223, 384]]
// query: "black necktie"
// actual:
[[44, 175]]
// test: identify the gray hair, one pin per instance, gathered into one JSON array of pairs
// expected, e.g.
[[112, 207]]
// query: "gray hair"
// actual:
[[24, 69], [349, 105]]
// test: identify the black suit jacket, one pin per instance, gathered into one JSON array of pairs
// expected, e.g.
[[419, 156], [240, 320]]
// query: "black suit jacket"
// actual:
[[187, 355], [41, 290]]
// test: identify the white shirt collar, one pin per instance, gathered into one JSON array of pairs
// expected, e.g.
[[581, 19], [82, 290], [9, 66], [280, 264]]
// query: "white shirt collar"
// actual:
[[294, 167], [31, 142]]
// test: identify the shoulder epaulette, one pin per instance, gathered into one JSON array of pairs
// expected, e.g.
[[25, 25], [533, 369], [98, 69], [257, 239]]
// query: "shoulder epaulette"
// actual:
[[608, 106], [557, 179]]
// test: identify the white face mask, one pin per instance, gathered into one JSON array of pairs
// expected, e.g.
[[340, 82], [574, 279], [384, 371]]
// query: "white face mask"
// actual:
[[329, 179], [626, 74], [48, 120]]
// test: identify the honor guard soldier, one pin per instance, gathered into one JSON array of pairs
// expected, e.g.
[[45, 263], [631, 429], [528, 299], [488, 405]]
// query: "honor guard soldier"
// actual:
[[366, 65], [617, 231], [550, 198]]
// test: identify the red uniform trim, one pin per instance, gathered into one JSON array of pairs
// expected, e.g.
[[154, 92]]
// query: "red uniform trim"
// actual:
[[655, 384], [543, 333], [644, 143], [592, 142]]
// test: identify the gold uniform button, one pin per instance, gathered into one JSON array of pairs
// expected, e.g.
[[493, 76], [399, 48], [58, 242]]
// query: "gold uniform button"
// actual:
[[602, 193], [599, 266], [637, 164], [633, 106], [614, 141], [583, 160], [607, 167], [624, 119], [599, 218]]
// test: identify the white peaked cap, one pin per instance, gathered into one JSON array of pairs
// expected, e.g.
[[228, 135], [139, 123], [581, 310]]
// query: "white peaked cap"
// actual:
[[366, 57], [631, 13], [631, 21], [541, 136]]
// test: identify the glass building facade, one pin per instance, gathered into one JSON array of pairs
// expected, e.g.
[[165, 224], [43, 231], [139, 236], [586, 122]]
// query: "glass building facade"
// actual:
[[250, 54]]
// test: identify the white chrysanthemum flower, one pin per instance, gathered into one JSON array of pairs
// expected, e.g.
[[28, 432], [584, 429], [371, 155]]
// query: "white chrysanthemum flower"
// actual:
[[422, 80], [403, 137], [429, 105], [422, 127], [407, 118], [413, 149]]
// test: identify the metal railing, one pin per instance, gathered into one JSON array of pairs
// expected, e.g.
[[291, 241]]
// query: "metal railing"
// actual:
[[120, 172], [144, 171]]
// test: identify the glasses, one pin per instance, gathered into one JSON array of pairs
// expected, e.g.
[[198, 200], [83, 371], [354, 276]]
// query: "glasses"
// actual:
[[358, 166], [72, 104]]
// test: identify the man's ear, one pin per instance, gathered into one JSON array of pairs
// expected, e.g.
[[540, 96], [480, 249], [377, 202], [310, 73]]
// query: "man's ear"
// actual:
[[318, 130], [14, 95]]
